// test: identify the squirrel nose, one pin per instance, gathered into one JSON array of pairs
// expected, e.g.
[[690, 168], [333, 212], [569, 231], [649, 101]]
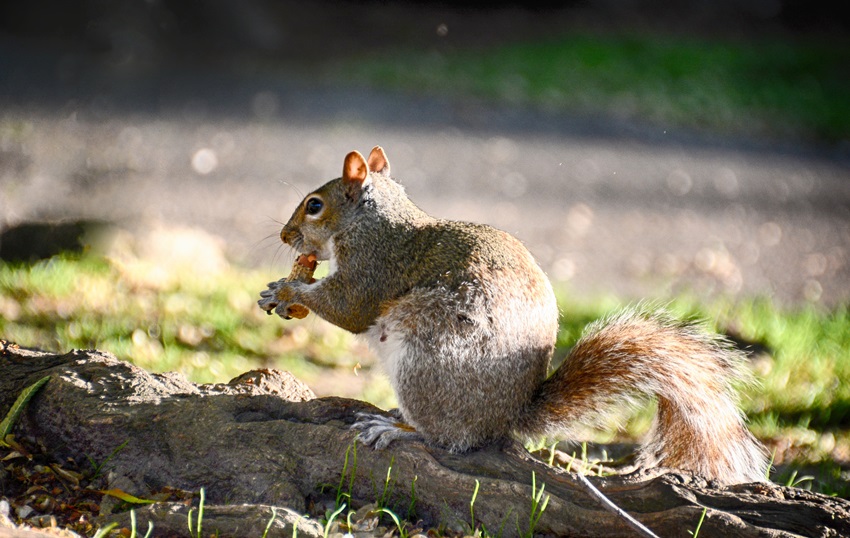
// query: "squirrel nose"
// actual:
[[290, 236]]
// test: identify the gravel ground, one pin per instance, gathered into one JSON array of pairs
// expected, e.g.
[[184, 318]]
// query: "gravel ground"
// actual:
[[606, 206]]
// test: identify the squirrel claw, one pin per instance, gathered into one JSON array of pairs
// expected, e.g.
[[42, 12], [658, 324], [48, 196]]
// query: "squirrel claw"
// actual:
[[283, 310], [379, 431], [269, 298], [268, 302], [281, 298], [273, 302], [395, 412]]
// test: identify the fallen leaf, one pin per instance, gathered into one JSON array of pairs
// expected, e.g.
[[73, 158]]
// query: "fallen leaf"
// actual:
[[126, 497]]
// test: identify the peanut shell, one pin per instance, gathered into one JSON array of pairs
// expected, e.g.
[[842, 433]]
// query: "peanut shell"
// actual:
[[302, 271]]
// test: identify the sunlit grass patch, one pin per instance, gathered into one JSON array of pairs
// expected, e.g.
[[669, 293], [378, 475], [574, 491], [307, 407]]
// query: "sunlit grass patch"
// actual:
[[209, 329]]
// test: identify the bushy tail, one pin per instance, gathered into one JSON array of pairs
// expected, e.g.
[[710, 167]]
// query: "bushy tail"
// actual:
[[623, 359]]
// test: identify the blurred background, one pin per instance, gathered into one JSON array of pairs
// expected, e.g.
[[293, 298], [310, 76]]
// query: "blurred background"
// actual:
[[638, 148], [694, 152]]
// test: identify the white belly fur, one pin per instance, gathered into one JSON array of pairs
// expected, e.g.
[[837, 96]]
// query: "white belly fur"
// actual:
[[391, 349]]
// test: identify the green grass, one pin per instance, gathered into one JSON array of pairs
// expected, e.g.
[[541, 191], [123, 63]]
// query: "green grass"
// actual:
[[207, 328], [211, 330], [756, 87]]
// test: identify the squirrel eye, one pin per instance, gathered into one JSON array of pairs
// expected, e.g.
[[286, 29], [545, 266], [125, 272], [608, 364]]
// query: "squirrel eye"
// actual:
[[313, 206]]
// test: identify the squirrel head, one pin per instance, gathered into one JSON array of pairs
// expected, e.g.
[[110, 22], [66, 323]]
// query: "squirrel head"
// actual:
[[334, 205]]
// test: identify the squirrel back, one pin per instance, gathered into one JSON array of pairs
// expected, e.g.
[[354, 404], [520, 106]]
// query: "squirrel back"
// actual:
[[464, 322]]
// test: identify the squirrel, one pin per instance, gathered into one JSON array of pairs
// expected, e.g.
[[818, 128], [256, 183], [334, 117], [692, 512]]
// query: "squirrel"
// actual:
[[464, 322]]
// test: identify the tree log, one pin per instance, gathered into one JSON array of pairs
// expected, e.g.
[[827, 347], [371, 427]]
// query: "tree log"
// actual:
[[264, 440]]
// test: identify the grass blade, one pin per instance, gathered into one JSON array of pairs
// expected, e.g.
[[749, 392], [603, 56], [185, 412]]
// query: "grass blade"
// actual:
[[17, 408]]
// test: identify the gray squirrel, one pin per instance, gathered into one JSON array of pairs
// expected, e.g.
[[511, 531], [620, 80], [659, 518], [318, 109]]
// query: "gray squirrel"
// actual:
[[464, 323]]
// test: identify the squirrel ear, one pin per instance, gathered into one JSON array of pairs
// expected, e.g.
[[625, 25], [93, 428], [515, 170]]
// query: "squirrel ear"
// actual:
[[355, 169], [378, 161], [355, 174]]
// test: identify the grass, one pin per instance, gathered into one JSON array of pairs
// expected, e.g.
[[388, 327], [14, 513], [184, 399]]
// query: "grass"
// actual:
[[537, 507], [762, 86], [195, 531], [8, 422], [211, 330], [695, 532]]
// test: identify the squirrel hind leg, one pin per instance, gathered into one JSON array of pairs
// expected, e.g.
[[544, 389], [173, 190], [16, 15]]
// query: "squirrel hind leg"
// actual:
[[379, 431]]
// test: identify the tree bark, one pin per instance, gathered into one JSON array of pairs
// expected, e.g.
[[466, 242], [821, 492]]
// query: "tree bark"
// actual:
[[264, 440]]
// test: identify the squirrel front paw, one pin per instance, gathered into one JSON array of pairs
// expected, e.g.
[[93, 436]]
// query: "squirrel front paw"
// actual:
[[278, 298]]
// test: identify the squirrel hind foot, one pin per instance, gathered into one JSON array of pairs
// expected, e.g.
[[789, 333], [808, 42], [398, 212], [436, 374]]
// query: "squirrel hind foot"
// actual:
[[379, 431]]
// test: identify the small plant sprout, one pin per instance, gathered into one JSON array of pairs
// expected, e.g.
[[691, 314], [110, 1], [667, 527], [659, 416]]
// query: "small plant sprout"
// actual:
[[695, 532], [8, 422], [295, 525], [385, 495], [794, 482], [538, 505], [352, 451], [572, 459], [269, 524], [472, 508], [331, 519], [348, 520], [411, 509], [196, 532], [552, 453], [353, 472], [770, 464], [98, 467], [201, 511], [133, 526], [104, 531], [402, 532]]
